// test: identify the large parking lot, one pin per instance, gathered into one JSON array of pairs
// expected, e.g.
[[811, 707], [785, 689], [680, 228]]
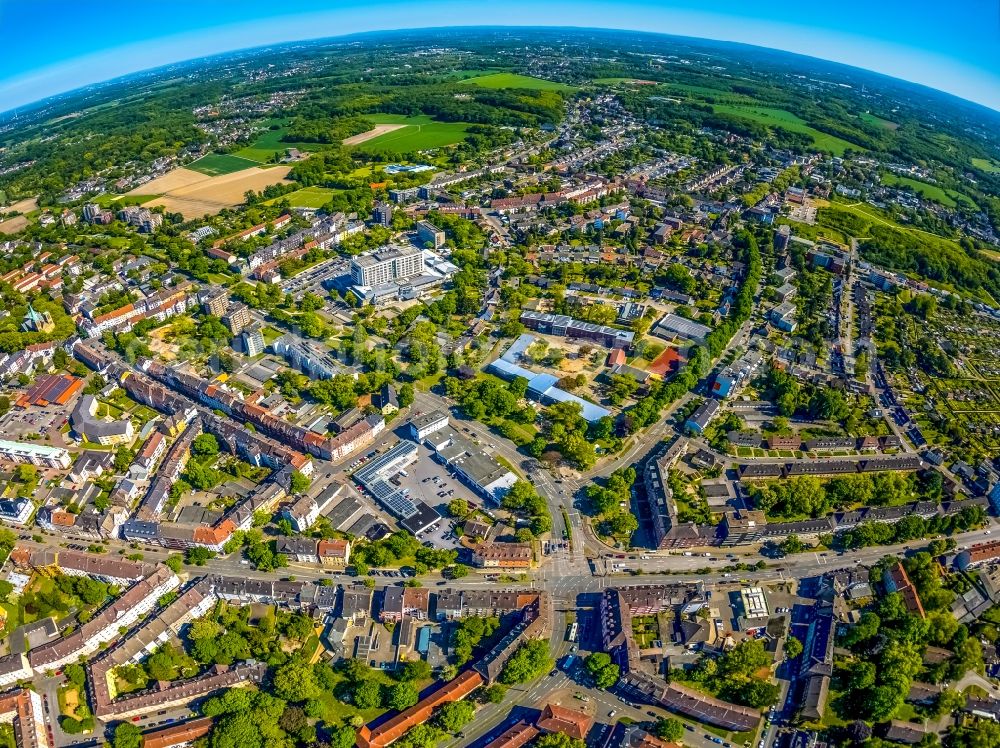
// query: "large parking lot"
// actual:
[[312, 279], [35, 420]]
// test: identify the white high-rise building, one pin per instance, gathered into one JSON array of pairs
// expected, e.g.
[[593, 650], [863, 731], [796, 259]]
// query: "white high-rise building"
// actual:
[[387, 265]]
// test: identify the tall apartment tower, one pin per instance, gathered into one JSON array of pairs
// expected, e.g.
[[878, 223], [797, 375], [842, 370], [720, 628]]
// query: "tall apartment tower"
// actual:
[[382, 214]]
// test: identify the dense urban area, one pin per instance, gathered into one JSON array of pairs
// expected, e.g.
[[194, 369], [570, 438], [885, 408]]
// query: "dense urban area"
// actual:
[[548, 389]]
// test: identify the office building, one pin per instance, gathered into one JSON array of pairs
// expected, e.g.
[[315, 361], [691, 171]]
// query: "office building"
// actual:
[[89, 426], [387, 265], [424, 425]]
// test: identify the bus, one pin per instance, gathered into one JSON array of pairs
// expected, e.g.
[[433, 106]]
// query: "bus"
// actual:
[[573, 632]]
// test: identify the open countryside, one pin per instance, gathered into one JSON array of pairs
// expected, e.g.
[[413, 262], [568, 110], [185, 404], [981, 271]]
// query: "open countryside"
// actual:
[[781, 118], [993, 167]]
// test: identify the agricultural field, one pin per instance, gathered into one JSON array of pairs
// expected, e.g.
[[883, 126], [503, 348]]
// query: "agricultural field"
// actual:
[[412, 134], [13, 225], [986, 165], [193, 194], [513, 80], [270, 142], [781, 118], [216, 164], [307, 197], [873, 120], [375, 132]]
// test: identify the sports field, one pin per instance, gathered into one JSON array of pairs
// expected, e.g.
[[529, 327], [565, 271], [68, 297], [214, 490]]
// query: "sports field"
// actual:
[[416, 134], [307, 197], [986, 165], [215, 164], [781, 118], [513, 80]]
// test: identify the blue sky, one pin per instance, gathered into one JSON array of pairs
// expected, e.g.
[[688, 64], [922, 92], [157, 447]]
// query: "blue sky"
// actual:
[[51, 46]]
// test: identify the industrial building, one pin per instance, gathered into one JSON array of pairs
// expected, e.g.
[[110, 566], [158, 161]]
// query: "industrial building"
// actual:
[[478, 470]]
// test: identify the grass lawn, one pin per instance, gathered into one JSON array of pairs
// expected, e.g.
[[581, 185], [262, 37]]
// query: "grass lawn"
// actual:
[[781, 118], [13, 613], [427, 383], [307, 197], [420, 133], [336, 711], [815, 232], [69, 700], [513, 80], [215, 164], [270, 334], [986, 165]]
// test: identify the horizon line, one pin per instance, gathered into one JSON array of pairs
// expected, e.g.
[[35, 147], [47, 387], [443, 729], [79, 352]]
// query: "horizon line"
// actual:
[[12, 112]]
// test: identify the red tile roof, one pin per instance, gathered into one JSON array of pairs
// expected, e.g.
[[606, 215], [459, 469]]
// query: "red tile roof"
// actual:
[[567, 721], [393, 729]]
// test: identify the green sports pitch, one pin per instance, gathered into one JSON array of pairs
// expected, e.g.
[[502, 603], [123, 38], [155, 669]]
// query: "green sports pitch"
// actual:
[[307, 197]]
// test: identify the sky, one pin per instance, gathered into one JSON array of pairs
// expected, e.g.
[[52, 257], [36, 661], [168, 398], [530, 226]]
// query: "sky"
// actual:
[[52, 46]]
